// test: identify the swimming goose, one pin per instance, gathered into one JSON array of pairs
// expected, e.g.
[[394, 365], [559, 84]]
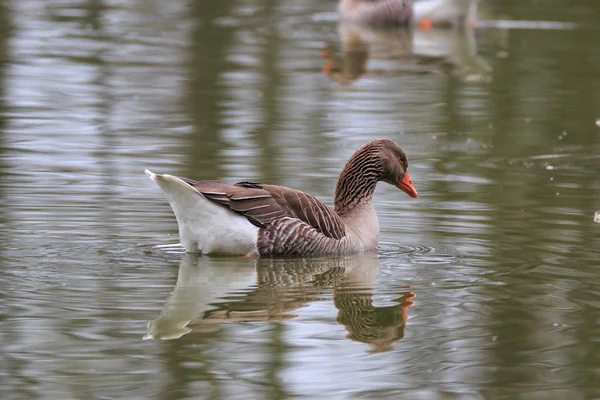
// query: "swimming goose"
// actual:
[[425, 13], [255, 219]]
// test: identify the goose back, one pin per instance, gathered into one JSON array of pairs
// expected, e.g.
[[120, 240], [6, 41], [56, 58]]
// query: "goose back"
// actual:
[[265, 204], [269, 220], [398, 12]]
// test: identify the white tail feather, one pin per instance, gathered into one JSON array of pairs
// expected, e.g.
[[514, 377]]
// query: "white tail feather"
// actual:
[[445, 11], [204, 226]]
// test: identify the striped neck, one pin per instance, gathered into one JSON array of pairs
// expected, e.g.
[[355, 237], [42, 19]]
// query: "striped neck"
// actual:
[[358, 179]]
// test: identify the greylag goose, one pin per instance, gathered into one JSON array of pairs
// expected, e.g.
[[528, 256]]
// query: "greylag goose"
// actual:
[[425, 13], [256, 219]]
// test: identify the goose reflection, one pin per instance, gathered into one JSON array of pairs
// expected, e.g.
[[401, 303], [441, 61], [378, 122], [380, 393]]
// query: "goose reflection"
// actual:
[[376, 326], [272, 289], [399, 50], [198, 285]]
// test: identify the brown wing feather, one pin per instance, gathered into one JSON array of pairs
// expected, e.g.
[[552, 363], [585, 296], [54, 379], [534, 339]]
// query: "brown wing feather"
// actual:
[[263, 204], [213, 190]]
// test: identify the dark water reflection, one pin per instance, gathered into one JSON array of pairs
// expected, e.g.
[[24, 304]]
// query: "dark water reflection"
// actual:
[[500, 249]]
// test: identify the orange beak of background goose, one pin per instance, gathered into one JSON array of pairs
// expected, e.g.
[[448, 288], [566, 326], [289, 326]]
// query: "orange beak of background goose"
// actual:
[[406, 186]]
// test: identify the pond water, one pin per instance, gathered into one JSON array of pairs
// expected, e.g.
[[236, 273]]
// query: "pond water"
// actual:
[[485, 287]]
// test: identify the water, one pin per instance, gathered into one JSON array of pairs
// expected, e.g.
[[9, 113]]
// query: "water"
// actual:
[[485, 287]]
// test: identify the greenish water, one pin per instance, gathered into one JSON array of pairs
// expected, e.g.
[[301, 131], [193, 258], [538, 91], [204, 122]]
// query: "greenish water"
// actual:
[[485, 287]]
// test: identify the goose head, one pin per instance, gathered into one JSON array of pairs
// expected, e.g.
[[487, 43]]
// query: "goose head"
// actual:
[[395, 167], [380, 160]]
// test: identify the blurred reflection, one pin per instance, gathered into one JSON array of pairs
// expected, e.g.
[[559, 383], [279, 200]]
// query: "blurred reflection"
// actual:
[[104, 112], [5, 32], [275, 288], [358, 44], [376, 326], [206, 95], [199, 284], [449, 51], [270, 96]]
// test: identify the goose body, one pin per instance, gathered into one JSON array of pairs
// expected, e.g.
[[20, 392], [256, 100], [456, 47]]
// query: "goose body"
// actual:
[[425, 13], [255, 219], [445, 12]]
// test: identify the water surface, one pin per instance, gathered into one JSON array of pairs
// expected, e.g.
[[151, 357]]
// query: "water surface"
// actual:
[[485, 287]]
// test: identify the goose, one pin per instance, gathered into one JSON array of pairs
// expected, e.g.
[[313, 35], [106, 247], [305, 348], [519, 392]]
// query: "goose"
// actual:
[[261, 220], [425, 13]]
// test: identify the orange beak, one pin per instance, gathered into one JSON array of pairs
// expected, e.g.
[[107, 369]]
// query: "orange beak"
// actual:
[[406, 186], [425, 24]]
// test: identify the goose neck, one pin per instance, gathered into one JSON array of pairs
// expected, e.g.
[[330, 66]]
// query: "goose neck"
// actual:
[[356, 183]]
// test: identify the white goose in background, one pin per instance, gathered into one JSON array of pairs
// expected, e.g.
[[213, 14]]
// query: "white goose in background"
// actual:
[[255, 219], [424, 13]]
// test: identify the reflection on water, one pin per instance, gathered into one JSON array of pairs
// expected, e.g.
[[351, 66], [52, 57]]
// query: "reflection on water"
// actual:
[[267, 290], [199, 285], [501, 247], [376, 326], [393, 51]]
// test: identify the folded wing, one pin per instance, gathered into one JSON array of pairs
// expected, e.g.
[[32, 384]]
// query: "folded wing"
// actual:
[[263, 204]]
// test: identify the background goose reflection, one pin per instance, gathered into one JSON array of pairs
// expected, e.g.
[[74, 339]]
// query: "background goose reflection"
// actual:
[[389, 51]]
